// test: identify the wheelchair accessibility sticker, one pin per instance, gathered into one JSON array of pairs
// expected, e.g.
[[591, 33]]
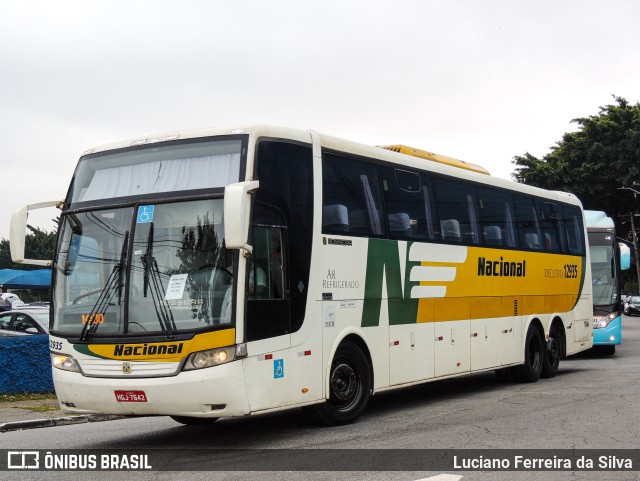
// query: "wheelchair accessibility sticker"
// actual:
[[145, 214], [278, 368]]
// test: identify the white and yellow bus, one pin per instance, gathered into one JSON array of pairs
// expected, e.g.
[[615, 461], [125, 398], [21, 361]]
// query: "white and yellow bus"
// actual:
[[229, 272]]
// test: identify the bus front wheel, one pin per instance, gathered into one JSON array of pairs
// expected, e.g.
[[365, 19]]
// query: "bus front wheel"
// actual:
[[349, 386], [531, 370]]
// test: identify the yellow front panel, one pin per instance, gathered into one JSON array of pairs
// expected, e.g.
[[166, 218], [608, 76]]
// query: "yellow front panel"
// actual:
[[168, 351]]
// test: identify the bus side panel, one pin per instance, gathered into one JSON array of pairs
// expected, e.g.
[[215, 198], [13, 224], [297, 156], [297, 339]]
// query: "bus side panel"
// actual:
[[582, 326], [511, 331], [341, 285], [452, 347], [411, 352], [492, 333], [264, 387], [287, 370]]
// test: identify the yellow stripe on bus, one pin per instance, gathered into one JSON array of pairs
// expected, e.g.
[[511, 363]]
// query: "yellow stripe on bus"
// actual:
[[169, 351], [464, 308]]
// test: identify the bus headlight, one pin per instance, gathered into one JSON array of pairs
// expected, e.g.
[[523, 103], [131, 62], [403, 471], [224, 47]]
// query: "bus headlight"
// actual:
[[604, 321], [64, 362], [209, 358]]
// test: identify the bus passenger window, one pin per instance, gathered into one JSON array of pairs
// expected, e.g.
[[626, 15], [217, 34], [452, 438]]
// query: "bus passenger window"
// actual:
[[352, 185], [265, 279], [276, 272], [457, 210], [550, 223], [573, 230], [527, 223], [496, 218], [406, 197], [268, 299]]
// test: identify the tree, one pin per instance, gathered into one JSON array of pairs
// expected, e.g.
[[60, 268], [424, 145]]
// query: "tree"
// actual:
[[5, 255], [593, 162]]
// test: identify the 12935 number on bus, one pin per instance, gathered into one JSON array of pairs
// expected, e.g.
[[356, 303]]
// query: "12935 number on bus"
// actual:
[[570, 271]]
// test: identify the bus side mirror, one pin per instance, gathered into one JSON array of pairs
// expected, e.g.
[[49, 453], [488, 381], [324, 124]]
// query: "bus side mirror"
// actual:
[[237, 202], [18, 231], [625, 256]]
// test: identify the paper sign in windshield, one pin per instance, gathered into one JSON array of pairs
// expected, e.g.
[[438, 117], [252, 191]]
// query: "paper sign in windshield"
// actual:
[[175, 289]]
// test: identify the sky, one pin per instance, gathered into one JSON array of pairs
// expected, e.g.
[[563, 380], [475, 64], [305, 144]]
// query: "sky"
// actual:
[[478, 80]]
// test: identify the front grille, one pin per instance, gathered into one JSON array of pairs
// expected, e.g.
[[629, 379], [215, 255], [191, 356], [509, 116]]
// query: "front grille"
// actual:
[[111, 368]]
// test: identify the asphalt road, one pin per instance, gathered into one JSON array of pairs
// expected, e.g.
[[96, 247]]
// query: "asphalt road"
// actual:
[[593, 403]]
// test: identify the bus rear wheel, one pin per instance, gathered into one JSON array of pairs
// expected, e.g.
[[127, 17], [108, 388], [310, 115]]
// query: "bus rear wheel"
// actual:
[[531, 370], [552, 354], [192, 421], [350, 383]]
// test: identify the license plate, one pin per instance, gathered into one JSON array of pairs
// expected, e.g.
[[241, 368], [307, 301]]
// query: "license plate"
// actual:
[[131, 396]]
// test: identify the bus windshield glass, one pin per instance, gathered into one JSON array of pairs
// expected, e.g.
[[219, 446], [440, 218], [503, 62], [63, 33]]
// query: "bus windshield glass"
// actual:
[[154, 169], [160, 269], [603, 268]]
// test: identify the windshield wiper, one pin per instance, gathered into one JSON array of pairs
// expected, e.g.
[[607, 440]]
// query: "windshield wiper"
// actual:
[[106, 294], [152, 279]]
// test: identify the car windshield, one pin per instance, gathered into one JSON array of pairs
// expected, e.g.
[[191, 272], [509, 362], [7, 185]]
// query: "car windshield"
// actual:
[[41, 315], [148, 269], [635, 299]]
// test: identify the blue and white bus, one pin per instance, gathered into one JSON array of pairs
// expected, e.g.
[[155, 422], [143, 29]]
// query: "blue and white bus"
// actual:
[[608, 259]]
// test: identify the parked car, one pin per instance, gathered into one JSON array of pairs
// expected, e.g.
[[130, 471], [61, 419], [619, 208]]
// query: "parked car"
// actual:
[[25, 321], [8, 301], [632, 306]]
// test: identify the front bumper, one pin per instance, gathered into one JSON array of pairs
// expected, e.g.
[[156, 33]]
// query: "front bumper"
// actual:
[[610, 335], [213, 392]]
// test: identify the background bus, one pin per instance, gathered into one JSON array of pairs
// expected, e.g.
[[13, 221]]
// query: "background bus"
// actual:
[[608, 259], [228, 272]]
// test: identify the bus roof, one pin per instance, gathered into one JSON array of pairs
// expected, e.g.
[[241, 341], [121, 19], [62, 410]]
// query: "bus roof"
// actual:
[[443, 159], [257, 131], [598, 218]]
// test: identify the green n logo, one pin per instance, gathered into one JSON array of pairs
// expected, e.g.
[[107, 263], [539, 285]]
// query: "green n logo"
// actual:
[[383, 260]]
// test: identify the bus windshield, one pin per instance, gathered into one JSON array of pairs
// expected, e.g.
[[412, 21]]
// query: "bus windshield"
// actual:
[[159, 269], [603, 268]]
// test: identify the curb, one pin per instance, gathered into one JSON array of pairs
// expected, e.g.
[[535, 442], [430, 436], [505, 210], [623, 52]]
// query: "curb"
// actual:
[[62, 421]]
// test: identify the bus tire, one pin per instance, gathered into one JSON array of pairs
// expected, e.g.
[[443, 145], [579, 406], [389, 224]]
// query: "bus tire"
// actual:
[[531, 370], [350, 384], [193, 421], [552, 354]]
